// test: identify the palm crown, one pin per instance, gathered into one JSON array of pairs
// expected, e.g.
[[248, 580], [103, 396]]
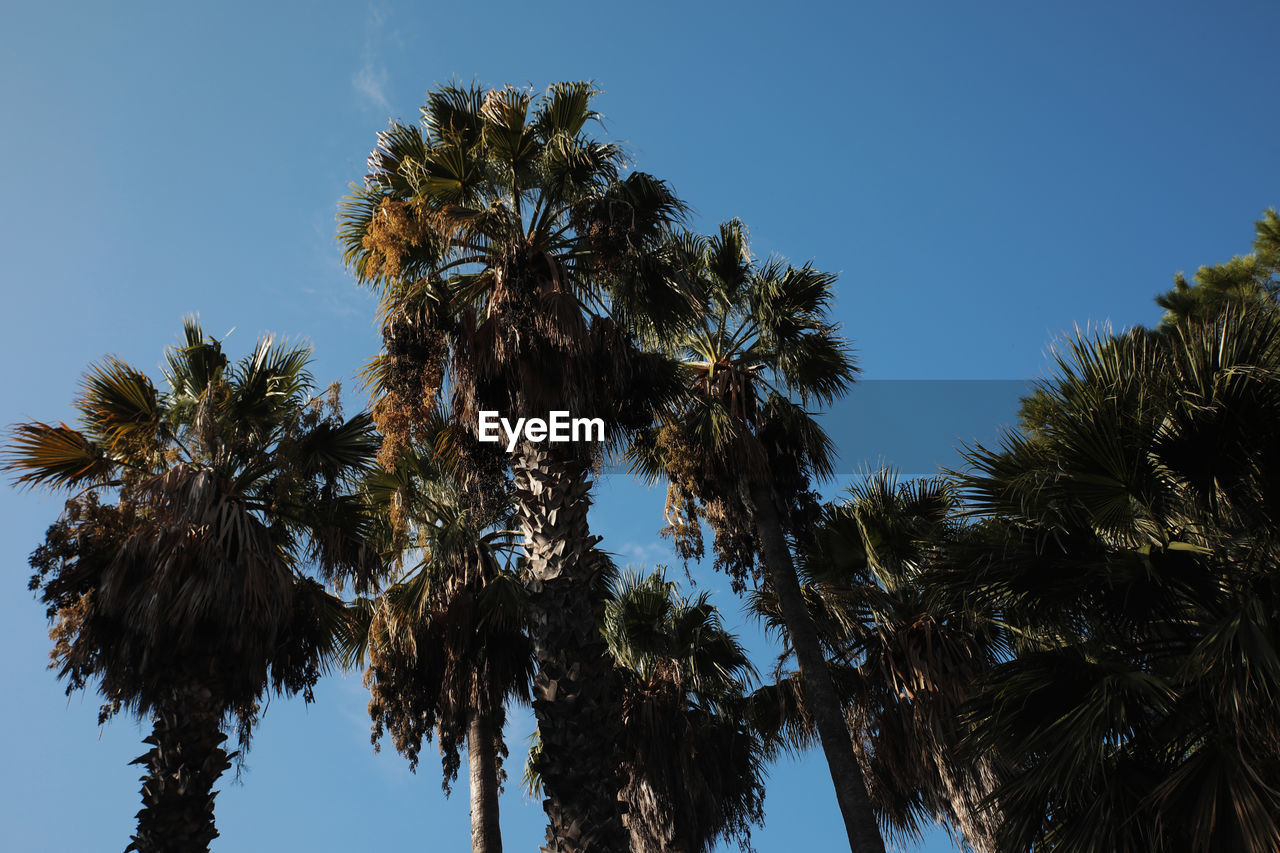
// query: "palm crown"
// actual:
[[189, 596], [1134, 558], [760, 351], [229, 484], [693, 766], [501, 235], [446, 640]]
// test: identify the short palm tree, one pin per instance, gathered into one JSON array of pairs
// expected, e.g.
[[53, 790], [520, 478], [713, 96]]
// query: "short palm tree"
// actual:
[[512, 258], [177, 577], [694, 768], [906, 651], [1134, 559], [446, 643], [693, 765], [738, 451]]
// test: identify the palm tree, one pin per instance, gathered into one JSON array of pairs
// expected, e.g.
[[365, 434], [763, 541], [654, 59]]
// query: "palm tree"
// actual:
[[1134, 559], [446, 643], [1251, 280], [186, 599], [694, 767], [905, 650], [738, 451], [511, 257]]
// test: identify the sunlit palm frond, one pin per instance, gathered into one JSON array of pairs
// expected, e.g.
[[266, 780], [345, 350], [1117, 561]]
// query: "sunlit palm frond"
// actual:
[[565, 110], [192, 366], [58, 456], [120, 406], [272, 379]]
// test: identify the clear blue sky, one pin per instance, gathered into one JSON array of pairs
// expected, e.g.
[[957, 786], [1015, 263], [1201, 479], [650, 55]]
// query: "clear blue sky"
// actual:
[[983, 176]]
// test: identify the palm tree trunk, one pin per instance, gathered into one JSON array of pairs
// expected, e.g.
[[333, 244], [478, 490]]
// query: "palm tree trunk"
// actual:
[[820, 694], [184, 763], [482, 762], [573, 695]]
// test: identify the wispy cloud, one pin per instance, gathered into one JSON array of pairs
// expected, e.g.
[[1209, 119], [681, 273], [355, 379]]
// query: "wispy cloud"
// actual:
[[371, 79], [645, 554]]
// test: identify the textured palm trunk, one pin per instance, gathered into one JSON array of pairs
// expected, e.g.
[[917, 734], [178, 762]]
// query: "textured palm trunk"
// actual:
[[649, 823], [976, 824], [482, 763], [184, 763], [573, 696], [820, 694]]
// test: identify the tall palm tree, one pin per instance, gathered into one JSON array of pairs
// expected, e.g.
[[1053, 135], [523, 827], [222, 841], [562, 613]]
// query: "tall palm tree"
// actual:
[[906, 651], [1134, 559], [446, 643], [177, 577], [511, 256], [739, 452]]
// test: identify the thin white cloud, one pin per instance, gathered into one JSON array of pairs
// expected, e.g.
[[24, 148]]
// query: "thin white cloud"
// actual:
[[371, 80], [645, 554]]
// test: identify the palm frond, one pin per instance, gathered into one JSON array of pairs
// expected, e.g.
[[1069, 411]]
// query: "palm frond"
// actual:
[[119, 405], [57, 456]]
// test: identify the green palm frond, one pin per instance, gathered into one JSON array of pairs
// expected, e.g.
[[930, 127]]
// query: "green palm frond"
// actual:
[[566, 109], [636, 619], [320, 621], [796, 432], [193, 366], [454, 112], [119, 405], [352, 635], [273, 377], [530, 778], [904, 653], [651, 629], [397, 145], [356, 213], [510, 139], [347, 449], [503, 601], [646, 458]]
